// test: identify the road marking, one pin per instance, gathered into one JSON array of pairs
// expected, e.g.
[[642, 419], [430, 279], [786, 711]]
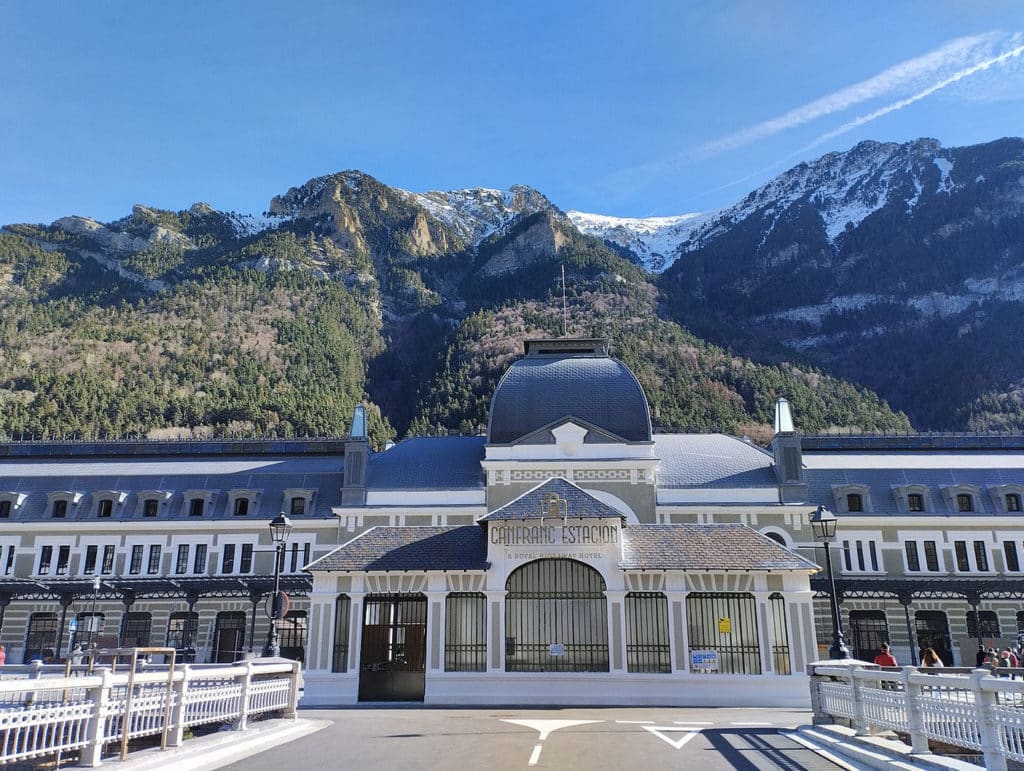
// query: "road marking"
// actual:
[[820, 751], [545, 727], [635, 722], [748, 722], [678, 744], [535, 756], [690, 722]]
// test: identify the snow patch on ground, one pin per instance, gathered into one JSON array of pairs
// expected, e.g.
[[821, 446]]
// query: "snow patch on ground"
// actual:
[[655, 240]]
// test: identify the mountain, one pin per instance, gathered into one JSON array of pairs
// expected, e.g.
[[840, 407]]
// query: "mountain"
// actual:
[[199, 322]]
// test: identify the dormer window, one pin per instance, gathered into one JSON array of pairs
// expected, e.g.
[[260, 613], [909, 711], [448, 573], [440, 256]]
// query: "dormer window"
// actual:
[[298, 501], [5, 509], [59, 503], [964, 502], [151, 502], [241, 507], [297, 507], [104, 508], [1008, 498], [242, 503], [10, 503], [1013, 502], [962, 498], [915, 502], [852, 498], [150, 507], [196, 507], [60, 508]]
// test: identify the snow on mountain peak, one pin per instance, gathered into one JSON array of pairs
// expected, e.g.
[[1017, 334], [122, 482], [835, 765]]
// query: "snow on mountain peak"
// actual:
[[655, 240]]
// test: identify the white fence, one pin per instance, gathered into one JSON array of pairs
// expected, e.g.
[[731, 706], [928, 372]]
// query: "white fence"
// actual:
[[44, 711], [973, 710]]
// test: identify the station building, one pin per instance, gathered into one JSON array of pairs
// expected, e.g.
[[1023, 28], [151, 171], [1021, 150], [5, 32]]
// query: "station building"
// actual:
[[571, 555]]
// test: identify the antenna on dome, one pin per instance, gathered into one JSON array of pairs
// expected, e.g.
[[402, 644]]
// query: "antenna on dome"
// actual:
[[565, 313]]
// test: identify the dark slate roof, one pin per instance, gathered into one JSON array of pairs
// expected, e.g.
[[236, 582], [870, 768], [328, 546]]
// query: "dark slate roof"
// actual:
[[711, 460], [271, 475], [880, 481], [580, 504], [429, 463], [705, 548], [541, 389], [409, 548]]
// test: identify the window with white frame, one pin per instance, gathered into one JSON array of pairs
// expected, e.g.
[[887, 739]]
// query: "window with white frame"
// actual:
[[921, 555], [970, 554], [242, 503], [54, 559], [911, 498], [1008, 498], [10, 502], [852, 498], [862, 554], [106, 501], [296, 556], [298, 501], [60, 503], [151, 503], [7, 554], [962, 499], [198, 503]]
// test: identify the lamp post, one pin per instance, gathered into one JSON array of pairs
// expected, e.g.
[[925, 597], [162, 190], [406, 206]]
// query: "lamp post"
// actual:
[[92, 616], [280, 529], [823, 524]]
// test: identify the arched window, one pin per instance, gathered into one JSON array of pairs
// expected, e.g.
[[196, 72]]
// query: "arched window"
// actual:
[[777, 537], [780, 646], [342, 611], [556, 618], [647, 646], [725, 622]]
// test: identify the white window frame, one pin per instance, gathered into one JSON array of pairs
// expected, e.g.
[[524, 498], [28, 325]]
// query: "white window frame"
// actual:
[[902, 495], [7, 543], [161, 496], [1016, 537], [116, 497], [16, 500], [999, 493], [969, 537], [70, 497], [308, 493], [301, 541], [865, 537], [252, 495], [839, 493], [56, 542], [919, 539], [950, 493], [207, 496], [236, 540]]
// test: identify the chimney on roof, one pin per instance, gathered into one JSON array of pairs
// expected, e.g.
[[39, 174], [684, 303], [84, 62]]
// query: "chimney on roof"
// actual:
[[357, 450], [788, 453]]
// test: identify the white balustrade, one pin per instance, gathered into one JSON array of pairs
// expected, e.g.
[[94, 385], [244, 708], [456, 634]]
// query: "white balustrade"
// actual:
[[46, 713], [970, 709]]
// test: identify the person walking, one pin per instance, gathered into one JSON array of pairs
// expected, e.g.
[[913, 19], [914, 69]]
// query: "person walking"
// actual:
[[3, 655], [885, 657]]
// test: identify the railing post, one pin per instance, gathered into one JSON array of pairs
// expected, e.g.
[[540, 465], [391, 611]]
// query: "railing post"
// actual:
[[243, 702], [293, 694], [92, 753], [818, 716], [984, 699], [860, 725], [915, 717], [177, 733]]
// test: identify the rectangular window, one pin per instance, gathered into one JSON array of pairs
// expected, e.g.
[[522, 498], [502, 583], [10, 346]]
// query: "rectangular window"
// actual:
[[295, 558], [913, 563], [135, 566], [150, 507], [963, 564], [63, 560], [465, 644], [298, 506], [181, 564], [108, 560], [1012, 502], [931, 556], [227, 564], [981, 556], [854, 502], [45, 558], [860, 555], [964, 502], [90, 559], [199, 565], [154, 559], [9, 565], [105, 508], [241, 507], [873, 554], [305, 554], [245, 560], [1012, 558], [915, 502], [60, 508], [847, 562], [5, 509], [195, 507]]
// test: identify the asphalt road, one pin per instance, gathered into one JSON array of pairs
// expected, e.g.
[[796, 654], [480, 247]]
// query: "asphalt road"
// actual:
[[522, 738]]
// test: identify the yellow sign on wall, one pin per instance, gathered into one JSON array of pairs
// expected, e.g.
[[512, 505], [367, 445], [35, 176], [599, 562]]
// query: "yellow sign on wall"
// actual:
[[724, 625]]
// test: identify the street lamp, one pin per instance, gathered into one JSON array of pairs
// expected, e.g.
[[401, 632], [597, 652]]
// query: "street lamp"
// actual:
[[280, 529], [92, 616], [823, 524]]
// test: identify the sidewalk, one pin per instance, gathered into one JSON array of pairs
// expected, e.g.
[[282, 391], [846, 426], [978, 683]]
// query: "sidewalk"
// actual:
[[206, 753]]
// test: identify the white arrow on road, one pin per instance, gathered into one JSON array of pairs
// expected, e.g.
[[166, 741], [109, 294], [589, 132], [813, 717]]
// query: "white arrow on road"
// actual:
[[677, 743], [545, 727]]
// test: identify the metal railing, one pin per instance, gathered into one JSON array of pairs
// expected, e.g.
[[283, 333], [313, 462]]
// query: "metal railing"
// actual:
[[69, 711], [976, 710]]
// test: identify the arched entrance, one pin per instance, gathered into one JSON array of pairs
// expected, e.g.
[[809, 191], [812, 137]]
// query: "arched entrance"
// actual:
[[393, 653], [556, 618]]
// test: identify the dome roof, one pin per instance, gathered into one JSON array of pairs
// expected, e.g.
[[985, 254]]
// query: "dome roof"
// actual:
[[560, 379]]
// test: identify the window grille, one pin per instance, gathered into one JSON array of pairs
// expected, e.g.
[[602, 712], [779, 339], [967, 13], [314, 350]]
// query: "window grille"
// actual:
[[154, 559], [41, 639], [556, 618], [780, 646], [913, 562], [199, 565], [181, 564], [108, 559], [739, 650], [868, 630], [854, 502], [932, 630], [135, 630], [291, 632], [964, 502], [915, 502], [181, 630], [136, 562], [647, 643], [342, 611], [245, 560], [989, 624], [465, 637]]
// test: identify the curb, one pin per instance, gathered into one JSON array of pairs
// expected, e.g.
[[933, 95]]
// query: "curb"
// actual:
[[873, 751], [220, 749]]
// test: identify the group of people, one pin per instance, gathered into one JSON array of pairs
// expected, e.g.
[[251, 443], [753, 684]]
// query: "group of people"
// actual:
[[988, 658], [929, 658]]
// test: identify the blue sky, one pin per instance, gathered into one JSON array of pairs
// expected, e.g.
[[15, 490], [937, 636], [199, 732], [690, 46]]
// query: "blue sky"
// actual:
[[631, 109]]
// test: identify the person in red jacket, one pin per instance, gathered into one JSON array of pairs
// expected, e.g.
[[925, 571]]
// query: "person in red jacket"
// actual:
[[885, 657]]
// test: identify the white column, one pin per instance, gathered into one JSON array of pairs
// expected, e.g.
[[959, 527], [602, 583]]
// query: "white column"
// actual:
[[616, 619]]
